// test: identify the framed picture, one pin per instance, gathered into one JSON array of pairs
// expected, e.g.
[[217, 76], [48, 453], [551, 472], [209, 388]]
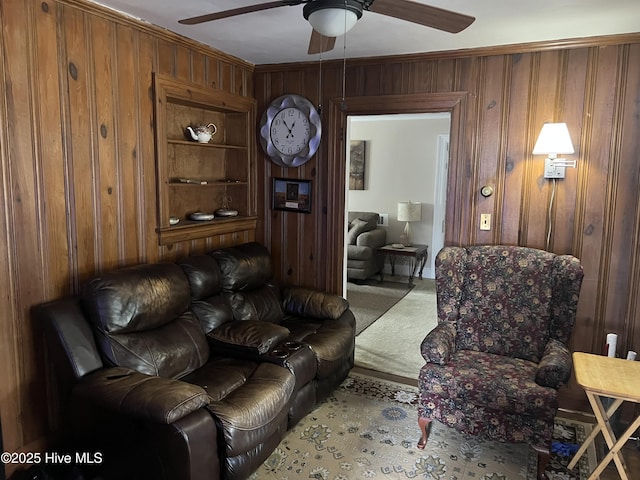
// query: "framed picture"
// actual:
[[357, 161], [292, 195]]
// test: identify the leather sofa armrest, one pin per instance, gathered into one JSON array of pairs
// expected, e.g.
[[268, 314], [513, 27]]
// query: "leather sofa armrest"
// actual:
[[125, 391], [439, 344], [373, 238], [252, 337], [555, 367], [307, 303]]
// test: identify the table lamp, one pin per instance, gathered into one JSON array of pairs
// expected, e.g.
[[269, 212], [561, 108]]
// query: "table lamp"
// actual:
[[408, 212]]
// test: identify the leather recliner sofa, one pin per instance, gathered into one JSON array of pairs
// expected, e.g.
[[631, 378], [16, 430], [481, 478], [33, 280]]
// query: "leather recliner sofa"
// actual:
[[308, 332], [193, 369]]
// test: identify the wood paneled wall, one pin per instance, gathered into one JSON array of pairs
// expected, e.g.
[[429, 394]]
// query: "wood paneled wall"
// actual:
[[78, 187], [593, 85], [78, 170]]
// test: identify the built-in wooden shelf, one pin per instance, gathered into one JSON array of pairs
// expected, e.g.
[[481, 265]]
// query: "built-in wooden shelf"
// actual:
[[224, 164], [190, 229]]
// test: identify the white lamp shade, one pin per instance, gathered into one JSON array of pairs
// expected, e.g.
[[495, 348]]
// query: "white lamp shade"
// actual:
[[409, 211], [332, 22], [554, 138]]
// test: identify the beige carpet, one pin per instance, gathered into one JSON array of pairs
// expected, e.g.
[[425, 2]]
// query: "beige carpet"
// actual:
[[368, 429], [371, 299], [392, 344]]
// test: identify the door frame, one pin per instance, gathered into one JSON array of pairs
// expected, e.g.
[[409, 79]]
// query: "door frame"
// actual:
[[339, 109], [442, 167]]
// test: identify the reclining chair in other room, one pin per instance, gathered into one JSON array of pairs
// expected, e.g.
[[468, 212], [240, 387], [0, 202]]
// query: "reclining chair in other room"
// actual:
[[364, 237]]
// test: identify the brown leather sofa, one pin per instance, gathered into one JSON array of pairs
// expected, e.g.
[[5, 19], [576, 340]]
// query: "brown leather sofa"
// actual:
[[193, 369], [247, 315]]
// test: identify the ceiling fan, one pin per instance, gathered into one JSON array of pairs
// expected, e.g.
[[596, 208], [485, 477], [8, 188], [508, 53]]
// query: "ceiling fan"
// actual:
[[332, 18]]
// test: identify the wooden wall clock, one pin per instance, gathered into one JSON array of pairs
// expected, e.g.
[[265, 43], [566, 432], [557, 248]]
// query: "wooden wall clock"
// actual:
[[290, 130]]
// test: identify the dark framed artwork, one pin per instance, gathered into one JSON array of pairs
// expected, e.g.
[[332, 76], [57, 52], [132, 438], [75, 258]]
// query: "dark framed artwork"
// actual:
[[292, 195], [357, 163]]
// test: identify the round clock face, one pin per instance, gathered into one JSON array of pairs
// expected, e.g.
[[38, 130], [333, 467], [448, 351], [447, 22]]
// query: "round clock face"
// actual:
[[290, 130]]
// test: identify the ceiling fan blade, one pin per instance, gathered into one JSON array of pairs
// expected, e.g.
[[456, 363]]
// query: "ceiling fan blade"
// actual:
[[319, 43], [426, 15], [238, 11]]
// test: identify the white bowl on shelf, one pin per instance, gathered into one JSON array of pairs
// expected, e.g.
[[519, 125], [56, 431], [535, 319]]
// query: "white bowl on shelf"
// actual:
[[226, 212], [201, 217]]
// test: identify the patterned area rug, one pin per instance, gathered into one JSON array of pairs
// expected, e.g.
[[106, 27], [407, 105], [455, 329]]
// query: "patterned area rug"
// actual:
[[368, 429]]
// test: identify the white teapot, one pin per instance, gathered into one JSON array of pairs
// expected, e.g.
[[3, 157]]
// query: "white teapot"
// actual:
[[202, 133]]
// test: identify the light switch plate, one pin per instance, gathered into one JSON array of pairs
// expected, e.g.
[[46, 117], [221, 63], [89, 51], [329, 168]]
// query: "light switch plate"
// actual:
[[485, 221]]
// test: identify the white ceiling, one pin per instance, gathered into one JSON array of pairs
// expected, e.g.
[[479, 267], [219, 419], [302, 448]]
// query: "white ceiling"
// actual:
[[281, 35]]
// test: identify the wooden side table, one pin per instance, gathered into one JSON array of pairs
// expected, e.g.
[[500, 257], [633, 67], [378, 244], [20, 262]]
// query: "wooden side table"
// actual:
[[417, 255], [619, 380]]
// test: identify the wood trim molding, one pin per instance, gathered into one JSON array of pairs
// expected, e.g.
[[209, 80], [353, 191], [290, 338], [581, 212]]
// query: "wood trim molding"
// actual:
[[583, 42], [452, 102]]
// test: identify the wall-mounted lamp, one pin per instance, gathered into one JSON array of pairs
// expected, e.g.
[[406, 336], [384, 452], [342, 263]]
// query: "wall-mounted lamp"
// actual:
[[408, 212], [554, 139]]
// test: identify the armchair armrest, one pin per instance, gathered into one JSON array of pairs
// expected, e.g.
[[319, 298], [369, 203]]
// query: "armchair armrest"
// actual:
[[373, 238], [122, 390], [252, 337], [439, 344], [304, 302], [555, 367]]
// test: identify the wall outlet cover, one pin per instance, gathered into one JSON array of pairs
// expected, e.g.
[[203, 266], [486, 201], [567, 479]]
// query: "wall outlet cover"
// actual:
[[383, 219]]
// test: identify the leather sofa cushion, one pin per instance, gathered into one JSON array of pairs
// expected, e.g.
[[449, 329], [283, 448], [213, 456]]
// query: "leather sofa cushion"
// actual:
[[212, 312], [122, 390], [171, 351], [203, 274], [142, 320], [247, 397], [333, 342], [259, 304], [304, 302], [247, 282], [137, 298], [205, 282], [255, 337], [244, 267]]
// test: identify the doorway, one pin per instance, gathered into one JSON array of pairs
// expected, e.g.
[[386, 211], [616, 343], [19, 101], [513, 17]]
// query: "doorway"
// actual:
[[340, 109], [405, 159]]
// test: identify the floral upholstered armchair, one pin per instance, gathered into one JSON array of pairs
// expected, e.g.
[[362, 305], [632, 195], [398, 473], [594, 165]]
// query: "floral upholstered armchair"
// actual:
[[499, 352]]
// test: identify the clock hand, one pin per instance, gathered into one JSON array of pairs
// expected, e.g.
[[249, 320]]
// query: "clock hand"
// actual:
[[285, 124]]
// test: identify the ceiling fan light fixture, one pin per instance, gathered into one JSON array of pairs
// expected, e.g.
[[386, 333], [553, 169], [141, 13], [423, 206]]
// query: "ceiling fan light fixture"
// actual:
[[332, 18]]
